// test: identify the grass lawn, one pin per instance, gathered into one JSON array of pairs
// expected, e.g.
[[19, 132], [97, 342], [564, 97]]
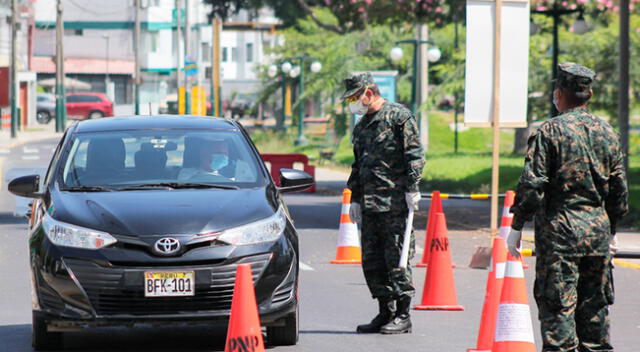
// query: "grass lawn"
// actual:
[[468, 171]]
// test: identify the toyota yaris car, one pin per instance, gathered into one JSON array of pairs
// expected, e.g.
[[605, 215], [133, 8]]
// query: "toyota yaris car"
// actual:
[[144, 220]]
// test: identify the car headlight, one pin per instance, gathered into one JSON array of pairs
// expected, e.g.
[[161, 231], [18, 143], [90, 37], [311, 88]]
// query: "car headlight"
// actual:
[[264, 230], [63, 234]]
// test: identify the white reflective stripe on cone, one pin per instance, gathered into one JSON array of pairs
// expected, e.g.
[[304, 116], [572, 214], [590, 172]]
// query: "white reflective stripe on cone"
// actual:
[[514, 270], [506, 212], [345, 208], [348, 236], [504, 232], [500, 267], [514, 323]]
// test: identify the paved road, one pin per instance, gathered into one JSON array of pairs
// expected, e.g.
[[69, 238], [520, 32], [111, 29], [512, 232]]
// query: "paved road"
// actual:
[[334, 298]]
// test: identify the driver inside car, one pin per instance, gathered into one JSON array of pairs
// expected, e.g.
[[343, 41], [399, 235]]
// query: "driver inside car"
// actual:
[[215, 162]]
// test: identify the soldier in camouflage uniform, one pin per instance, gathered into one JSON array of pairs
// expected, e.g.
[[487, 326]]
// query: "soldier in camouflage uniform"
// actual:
[[384, 181], [574, 183]]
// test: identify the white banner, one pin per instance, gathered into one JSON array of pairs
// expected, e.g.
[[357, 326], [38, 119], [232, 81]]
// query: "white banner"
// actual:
[[514, 63]]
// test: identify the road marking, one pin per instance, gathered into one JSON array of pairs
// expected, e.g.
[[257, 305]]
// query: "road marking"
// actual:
[[305, 267], [30, 157], [626, 264], [28, 150]]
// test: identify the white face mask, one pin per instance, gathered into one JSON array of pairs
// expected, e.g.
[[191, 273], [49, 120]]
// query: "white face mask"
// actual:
[[358, 108]]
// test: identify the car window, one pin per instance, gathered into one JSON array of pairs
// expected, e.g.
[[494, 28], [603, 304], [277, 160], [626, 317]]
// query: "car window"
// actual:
[[73, 98], [122, 159], [91, 98]]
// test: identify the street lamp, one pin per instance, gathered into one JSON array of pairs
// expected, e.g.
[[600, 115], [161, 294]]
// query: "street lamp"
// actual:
[[580, 26], [297, 71], [433, 55]]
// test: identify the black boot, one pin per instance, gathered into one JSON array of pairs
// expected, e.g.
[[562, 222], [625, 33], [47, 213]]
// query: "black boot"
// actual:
[[401, 323], [387, 310]]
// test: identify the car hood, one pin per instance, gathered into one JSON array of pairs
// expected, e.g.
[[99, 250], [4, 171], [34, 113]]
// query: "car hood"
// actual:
[[163, 212]]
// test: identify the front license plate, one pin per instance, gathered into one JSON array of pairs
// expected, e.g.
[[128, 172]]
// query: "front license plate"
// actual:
[[169, 283]]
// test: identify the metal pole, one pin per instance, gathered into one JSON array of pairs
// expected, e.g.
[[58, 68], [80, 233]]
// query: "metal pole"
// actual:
[[623, 89], [554, 69], [137, 58], [283, 116], [61, 109], [187, 55], [423, 77], [13, 78], [414, 79], [178, 52], [216, 106], [301, 140]]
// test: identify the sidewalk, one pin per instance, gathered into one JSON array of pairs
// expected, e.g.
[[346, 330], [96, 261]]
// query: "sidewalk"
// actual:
[[31, 133]]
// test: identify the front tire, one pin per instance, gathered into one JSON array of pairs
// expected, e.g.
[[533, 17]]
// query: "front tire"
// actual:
[[41, 339], [95, 115], [288, 334], [43, 117]]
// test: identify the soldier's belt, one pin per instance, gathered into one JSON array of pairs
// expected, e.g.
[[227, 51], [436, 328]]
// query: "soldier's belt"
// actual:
[[462, 196]]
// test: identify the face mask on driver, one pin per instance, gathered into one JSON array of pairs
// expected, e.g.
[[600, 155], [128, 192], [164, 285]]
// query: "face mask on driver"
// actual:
[[358, 108], [218, 161]]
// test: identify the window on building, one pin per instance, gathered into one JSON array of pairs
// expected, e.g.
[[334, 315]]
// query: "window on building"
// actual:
[[153, 41], [206, 52], [234, 54], [225, 54], [71, 32], [249, 52], [156, 3]]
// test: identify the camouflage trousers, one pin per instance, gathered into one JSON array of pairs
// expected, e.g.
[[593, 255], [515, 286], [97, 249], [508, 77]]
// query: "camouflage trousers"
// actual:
[[382, 237], [573, 296]]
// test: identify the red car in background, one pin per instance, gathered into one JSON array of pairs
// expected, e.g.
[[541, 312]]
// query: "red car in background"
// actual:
[[88, 105]]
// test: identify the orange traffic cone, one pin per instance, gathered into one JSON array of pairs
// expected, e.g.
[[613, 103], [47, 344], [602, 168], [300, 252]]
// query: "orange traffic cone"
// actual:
[[507, 220], [514, 330], [434, 208], [439, 292], [348, 251], [492, 297], [244, 332]]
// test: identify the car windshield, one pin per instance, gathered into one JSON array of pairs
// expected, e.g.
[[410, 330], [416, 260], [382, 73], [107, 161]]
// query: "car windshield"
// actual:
[[129, 160]]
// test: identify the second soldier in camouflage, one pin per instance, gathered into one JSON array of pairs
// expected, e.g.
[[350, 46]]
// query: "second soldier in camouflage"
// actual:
[[574, 183]]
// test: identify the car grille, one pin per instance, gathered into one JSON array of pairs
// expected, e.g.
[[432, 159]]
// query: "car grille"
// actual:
[[111, 294]]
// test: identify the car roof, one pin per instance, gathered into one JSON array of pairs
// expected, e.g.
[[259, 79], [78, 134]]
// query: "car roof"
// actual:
[[127, 123]]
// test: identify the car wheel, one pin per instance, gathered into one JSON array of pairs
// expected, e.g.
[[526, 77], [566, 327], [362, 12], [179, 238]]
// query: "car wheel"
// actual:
[[286, 335], [43, 117], [41, 339], [95, 115]]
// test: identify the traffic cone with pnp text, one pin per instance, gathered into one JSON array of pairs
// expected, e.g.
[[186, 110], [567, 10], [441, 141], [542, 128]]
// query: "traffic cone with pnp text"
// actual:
[[434, 208], [439, 292], [492, 297], [348, 250], [514, 330], [244, 332]]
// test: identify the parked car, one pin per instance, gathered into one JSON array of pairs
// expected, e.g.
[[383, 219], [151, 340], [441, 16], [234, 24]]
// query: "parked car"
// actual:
[[133, 225], [88, 106], [45, 107]]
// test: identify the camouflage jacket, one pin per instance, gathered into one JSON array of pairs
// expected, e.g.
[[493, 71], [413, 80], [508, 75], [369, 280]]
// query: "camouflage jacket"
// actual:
[[388, 159], [574, 183]]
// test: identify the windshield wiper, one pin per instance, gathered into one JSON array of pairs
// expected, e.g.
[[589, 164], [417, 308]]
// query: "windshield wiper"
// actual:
[[87, 189], [177, 185]]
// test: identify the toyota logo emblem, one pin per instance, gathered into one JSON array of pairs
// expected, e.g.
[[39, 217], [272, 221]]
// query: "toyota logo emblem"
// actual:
[[167, 246]]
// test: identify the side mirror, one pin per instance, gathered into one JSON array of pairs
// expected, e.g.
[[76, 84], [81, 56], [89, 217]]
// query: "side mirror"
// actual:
[[294, 180], [25, 186]]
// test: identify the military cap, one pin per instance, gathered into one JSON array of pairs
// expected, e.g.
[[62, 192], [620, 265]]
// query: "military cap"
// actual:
[[356, 84], [575, 77]]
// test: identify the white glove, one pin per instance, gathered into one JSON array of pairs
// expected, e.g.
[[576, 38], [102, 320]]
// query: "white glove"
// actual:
[[613, 245], [355, 213], [412, 199], [513, 242]]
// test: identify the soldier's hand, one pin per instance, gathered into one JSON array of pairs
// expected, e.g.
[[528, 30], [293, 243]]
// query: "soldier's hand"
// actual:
[[355, 213], [412, 199], [613, 245], [513, 242]]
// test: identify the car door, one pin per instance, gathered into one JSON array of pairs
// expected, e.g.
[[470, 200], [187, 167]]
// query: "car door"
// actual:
[[73, 105]]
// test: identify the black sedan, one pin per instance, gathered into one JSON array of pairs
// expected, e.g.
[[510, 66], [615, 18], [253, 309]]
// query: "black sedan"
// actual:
[[144, 220]]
